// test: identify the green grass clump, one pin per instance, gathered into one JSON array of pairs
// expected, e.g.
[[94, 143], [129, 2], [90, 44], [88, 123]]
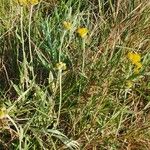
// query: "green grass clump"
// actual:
[[66, 78]]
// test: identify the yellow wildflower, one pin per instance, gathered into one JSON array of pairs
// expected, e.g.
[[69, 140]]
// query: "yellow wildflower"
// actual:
[[82, 32], [67, 25], [61, 66], [136, 60], [3, 113], [134, 57]]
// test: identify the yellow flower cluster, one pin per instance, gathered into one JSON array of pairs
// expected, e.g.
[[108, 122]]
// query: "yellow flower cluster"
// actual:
[[135, 60], [61, 66], [27, 2], [134, 57], [82, 32]]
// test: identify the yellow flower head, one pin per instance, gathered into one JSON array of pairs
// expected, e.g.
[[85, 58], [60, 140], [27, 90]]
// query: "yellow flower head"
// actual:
[[134, 57], [61, 66], [67, 25], [3, 113], [82, 32], [136, 60]]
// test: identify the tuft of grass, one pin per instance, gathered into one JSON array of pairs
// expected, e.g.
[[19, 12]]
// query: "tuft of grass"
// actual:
[[64, 90]]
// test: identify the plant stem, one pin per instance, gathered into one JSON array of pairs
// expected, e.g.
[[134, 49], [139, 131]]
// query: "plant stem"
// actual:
[[60, 79], [29, 33], [60, 96], [83, 55], [25, 77]]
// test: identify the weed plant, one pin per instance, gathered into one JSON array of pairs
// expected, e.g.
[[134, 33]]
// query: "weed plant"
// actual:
[[74, 74]]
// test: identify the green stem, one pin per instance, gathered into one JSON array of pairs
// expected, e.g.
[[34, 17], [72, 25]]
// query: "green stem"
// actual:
[[83, 55], [60, 79], [23, 50], [60, 48], [29, 32], [60, 96]]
